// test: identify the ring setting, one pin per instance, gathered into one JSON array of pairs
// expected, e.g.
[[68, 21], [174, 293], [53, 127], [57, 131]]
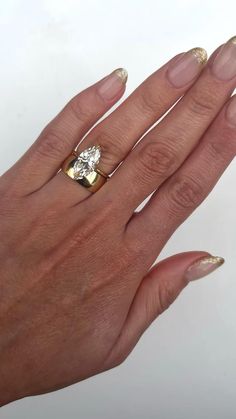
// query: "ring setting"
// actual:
[[87, 161], [83, 168]]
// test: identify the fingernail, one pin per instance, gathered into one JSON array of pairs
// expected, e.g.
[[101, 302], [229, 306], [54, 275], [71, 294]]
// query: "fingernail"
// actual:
[[224, 64], [187, 67], [231, 111], [203, 267], [112, 84]]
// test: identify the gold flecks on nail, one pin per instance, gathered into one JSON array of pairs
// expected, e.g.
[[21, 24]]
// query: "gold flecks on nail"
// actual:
[[203, 266], [123, 74], [214, 260], [232, 40], [200, 54]]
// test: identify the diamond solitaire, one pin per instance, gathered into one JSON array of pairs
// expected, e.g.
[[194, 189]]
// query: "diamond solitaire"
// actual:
[[87, 162], [83, 168]]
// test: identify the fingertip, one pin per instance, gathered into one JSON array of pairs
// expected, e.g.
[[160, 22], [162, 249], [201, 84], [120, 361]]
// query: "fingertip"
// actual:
[[203, 266], [113, 86]]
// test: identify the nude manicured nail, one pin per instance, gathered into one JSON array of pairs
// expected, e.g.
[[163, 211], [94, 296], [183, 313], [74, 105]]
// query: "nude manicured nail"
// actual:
[[187, 67], [231, 111], [203, 267], [112, 84], [224, 64]]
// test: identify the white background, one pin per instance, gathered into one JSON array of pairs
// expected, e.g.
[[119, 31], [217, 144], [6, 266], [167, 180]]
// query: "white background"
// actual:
[[185, 365]]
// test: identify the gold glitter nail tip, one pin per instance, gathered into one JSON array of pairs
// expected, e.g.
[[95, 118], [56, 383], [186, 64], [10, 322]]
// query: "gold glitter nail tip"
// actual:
[[123, 74], [203, 266], [200, 54], [232, 40]]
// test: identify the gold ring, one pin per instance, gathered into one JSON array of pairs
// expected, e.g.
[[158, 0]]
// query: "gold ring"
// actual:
[[83, 168]]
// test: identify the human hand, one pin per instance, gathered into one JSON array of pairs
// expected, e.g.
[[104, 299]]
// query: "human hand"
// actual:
[[76, 289]]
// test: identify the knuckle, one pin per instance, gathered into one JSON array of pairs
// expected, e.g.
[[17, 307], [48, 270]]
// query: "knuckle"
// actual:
[[51, 144], [152, 304], [221, 149], [185, 193], [201, 105], [216, 149], [157, 159], [112, 150], [167, 295], [148, 102], [80, 107]]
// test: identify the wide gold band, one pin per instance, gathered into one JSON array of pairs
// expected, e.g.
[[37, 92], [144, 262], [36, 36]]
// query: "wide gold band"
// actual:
[[94, 181]]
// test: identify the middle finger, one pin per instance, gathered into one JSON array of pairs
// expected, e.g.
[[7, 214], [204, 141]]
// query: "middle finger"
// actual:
[[166, 146]]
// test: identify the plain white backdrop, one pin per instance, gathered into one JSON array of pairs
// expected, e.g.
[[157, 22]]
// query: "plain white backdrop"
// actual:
[[185, 365]]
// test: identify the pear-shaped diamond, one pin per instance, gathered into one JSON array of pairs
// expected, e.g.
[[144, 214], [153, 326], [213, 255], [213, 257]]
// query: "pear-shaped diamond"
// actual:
[[87, 161]]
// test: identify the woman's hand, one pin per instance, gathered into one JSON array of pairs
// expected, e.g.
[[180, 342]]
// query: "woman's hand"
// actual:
[[76, 289]]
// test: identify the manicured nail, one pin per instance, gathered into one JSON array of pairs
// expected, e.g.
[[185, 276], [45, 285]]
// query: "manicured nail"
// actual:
[[187, 67], [224, 64], [203, 267], [112, 84], [231, 111]]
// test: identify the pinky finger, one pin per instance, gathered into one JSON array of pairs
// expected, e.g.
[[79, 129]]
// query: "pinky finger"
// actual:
[[157, 291]]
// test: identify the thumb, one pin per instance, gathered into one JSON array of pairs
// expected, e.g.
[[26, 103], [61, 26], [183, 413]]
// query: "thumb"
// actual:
[[157, 291]]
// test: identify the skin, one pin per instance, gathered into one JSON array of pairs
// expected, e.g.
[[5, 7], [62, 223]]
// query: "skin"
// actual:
[[77, 289]]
